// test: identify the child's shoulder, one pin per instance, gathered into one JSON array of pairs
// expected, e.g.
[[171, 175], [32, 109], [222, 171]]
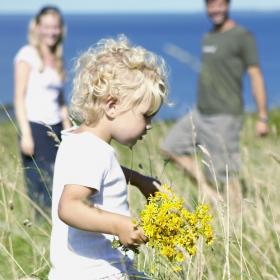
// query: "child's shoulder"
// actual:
[[86, 143]]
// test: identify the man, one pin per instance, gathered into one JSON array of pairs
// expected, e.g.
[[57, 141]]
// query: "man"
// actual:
[[228, 51]]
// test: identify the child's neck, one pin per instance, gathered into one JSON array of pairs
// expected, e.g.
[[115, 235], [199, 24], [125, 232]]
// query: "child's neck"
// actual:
[[98, 130]]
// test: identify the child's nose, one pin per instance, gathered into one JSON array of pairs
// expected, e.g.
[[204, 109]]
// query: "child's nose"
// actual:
[[148, 126]]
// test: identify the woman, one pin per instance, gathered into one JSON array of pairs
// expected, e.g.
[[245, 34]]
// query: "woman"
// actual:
[[39, 103]]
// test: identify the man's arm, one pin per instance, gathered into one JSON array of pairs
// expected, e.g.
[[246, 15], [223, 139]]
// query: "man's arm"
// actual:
[[258, 90]]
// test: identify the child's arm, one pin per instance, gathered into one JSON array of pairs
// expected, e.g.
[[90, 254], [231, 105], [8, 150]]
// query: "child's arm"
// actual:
[[147, 185], [75, 211]]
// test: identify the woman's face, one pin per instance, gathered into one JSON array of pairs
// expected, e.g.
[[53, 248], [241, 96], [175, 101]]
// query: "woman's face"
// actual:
[[50, 29]]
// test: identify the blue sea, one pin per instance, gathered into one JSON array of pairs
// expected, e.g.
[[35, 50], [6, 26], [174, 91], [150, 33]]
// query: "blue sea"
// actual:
[[176, 37]]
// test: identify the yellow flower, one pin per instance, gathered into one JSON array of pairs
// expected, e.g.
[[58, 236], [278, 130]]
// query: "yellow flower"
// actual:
[[171, 228]]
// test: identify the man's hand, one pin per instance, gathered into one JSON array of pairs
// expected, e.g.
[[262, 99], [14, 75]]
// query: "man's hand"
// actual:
[[261, 128]]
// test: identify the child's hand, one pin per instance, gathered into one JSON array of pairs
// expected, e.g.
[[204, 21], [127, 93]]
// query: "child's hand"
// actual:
[[146, 184], [130, 235], [149, 186]]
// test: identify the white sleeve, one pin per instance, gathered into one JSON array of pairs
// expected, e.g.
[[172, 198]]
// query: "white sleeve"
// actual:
[[85, 168], [28, 55]]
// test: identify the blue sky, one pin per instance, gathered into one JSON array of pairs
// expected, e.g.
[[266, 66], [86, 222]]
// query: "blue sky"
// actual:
[[81, 6]]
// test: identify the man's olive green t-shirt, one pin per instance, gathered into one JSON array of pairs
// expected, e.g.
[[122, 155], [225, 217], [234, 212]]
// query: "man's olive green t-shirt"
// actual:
[[225, 58]]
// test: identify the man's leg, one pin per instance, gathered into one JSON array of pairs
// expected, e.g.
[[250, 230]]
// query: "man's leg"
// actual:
[[221, 137], [194, 171], [180, 145], [235, 197]]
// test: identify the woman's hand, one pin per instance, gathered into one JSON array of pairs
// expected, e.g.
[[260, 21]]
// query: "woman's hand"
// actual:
[[27, 145]]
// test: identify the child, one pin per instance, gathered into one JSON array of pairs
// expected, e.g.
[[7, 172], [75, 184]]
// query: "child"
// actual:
[[118, 88]]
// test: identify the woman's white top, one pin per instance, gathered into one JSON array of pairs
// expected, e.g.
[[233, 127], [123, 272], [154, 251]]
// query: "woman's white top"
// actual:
[[43, 90]]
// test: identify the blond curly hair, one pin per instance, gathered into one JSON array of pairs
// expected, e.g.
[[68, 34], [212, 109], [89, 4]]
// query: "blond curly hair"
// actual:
[[114, 68]]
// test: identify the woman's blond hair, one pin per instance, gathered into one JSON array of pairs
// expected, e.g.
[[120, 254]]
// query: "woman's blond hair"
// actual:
[[129, 74], [34, 40]]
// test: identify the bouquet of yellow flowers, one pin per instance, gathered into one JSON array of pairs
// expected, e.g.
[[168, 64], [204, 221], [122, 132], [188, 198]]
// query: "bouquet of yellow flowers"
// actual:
[[171, 228]]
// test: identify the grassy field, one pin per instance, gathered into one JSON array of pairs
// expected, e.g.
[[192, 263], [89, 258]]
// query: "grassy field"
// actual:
[[246, 246]]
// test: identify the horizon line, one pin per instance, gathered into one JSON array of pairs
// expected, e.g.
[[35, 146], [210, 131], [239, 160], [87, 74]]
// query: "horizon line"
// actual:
[[79, 12]]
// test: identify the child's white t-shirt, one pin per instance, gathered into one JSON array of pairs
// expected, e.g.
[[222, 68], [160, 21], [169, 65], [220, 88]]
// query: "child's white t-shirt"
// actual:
[[86, 160], [43, 89]]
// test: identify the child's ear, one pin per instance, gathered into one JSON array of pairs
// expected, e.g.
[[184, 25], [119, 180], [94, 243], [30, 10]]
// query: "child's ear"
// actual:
[[111, 107]]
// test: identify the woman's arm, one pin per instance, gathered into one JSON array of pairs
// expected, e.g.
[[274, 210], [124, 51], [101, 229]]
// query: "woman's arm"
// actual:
[[147, 185], [75, 211], [21, 76]]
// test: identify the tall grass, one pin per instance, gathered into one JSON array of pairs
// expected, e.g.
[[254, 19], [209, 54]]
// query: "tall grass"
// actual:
[[247, 242]]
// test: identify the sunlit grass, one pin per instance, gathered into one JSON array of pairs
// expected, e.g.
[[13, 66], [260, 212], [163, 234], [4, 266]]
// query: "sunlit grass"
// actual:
[[246, 245]]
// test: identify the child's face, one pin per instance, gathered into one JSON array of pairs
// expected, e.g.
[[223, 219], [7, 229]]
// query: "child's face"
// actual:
[[131, 125]]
